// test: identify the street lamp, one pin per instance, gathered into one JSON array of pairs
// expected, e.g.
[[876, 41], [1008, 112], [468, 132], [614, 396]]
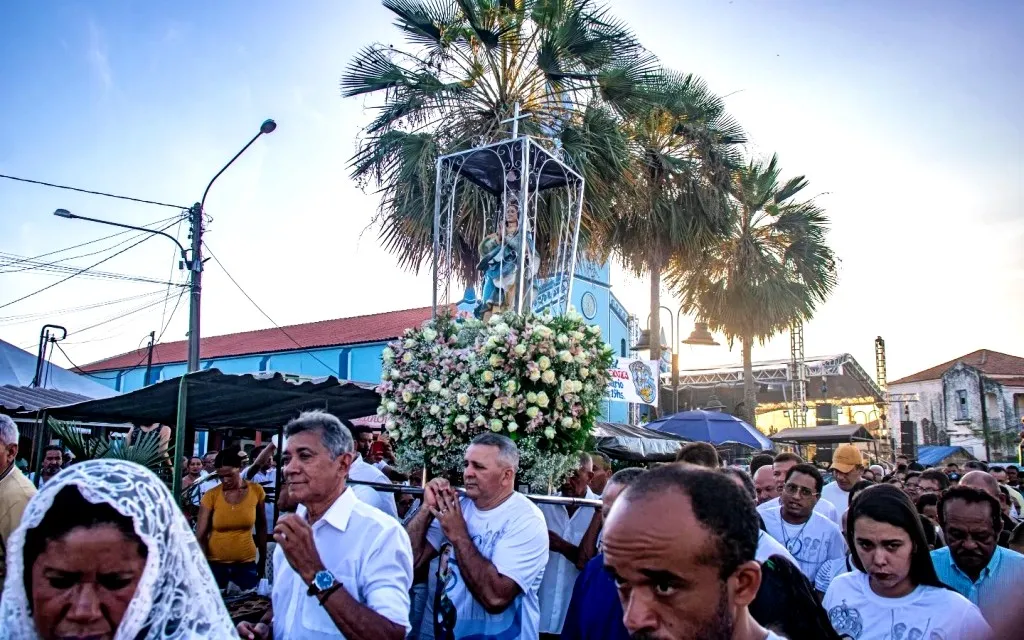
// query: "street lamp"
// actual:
[[64, 213], [700, 336]]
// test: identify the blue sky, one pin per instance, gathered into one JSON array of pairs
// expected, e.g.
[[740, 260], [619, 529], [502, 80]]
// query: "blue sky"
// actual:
[[904, 116]]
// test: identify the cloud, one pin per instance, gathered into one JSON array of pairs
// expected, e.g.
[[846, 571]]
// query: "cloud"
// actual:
[[97, 56]]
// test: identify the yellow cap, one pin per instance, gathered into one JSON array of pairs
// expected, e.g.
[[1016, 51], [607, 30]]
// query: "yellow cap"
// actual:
[[846, 458]]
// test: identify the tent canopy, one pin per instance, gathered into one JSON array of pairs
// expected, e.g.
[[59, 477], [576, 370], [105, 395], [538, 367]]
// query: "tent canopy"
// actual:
[[58, 386], [830, 433], [934, 455], [635, 444], [218, 400], [714, 427]]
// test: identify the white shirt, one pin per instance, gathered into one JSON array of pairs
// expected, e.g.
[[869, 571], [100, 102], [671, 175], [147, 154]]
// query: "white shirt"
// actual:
[[368, 473], [838, 497], [831, 570], [928, 613], [560, 574], [768, 546], [368, 553], [811, 543], [824, 507], [266, 479], [514, 538]]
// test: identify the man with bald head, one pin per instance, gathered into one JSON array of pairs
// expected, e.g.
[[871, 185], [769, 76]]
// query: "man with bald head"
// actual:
[[695, 586], [765, 485], [983, 481]]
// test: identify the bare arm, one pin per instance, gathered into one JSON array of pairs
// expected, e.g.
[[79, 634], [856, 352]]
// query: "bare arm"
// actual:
[[422, 551], [588, 545], [260, 461], [203, 527], [358, 621]]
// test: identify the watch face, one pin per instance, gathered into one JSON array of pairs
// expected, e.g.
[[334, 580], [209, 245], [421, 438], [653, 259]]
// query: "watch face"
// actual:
[[323, 580]]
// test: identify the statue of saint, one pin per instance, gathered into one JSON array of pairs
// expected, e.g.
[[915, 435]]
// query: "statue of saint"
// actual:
[[499, 266]]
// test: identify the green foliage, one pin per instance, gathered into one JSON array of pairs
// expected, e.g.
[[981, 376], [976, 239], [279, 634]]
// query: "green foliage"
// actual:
[[147, 450]]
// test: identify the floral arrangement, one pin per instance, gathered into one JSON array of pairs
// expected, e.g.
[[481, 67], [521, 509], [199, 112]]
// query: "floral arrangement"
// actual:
[[537, 379]]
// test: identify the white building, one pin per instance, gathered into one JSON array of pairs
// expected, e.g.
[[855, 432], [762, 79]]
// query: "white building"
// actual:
[[944, 403]]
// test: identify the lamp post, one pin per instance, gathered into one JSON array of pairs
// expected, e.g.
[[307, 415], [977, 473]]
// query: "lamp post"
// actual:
[[699, 336]]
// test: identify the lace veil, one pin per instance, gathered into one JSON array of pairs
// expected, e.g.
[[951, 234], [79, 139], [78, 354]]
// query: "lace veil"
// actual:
[[177, 598]]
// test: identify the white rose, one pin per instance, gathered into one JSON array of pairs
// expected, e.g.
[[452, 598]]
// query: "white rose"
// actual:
[[511, 387], [532, 412], [410, 343], [494, 360], [435, 409], [584, 372], [562, 338], [531, 397], [577, 386], [544, 363], [566, 422], [496, 425], [566, 388], [542, 399], [488, 376], [548, 377], [429, 334], [549, 433], [434, 386], [392, 406], [407, 357], [461, 419], [480, 421], [381, 410], [534, 376], [387, 354], [511, 426], [463, 400], [407, 397], [519, 349], [565, 356], [395, 374]]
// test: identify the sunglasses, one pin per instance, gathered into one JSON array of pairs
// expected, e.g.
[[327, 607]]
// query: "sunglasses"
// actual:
[[795, 489]]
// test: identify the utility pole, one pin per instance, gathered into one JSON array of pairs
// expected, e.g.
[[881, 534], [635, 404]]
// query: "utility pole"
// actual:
[[149, 358], [984, 416], [195, 218]]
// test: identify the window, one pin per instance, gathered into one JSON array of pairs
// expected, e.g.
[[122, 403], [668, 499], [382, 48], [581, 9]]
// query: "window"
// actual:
[[961, 405]]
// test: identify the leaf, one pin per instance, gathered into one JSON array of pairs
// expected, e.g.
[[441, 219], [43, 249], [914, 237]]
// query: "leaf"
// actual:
[[147, 451]]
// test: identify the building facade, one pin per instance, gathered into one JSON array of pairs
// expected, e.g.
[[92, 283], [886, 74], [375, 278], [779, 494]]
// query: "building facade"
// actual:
[[957, 402], [347, 348]]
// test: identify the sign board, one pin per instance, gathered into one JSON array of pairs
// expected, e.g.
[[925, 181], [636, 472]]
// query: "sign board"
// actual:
[[633, 380]]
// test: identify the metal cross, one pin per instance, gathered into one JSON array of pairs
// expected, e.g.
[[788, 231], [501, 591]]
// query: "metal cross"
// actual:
[[516, 117]]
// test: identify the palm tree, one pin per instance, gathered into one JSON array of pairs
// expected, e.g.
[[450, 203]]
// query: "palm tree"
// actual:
[[567, 63], [683, 150], [773, 267]]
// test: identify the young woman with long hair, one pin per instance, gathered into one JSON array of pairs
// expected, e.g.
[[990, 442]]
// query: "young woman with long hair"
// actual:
[[895, 593]]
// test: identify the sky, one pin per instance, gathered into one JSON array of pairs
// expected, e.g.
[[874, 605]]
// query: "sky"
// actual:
[[903, 116]]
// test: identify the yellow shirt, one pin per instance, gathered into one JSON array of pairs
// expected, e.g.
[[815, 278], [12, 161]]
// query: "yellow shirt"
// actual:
[[231, 532], [15, 492]]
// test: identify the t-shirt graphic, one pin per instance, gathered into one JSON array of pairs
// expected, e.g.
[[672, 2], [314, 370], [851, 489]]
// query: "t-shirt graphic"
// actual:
[[514, 538], [811, 543]]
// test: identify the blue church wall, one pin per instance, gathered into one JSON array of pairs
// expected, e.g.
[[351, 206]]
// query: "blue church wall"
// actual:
[[591, 296]]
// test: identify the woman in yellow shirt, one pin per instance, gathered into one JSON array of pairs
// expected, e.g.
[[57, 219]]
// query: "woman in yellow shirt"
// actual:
[[227, 515]]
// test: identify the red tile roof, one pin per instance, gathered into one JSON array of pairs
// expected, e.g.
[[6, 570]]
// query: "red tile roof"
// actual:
[[377, 327], [992, 363]]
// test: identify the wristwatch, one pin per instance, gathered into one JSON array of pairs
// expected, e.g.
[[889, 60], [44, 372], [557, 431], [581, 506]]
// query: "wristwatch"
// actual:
[[323, 581]]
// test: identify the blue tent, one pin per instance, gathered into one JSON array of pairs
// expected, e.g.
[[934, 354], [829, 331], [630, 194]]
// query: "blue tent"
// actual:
[[711, 426]]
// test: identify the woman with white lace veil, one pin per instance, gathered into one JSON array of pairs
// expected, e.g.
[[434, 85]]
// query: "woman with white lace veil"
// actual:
[[102, 551]]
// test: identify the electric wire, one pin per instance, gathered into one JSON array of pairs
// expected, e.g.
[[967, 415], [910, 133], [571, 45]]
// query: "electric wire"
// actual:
[[260, 309], [95, 193], [101, 275], [78, 369], [148, 305], [84, 269], [171, 317], [7, 321], [170, 277]]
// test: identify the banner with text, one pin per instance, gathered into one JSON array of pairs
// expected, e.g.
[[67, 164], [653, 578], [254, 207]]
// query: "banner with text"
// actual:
[[633, 381]]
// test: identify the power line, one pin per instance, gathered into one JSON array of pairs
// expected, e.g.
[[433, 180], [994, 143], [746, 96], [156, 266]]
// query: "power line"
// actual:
[[32, 317], [260, 309], [171, 317], [50, 286], [95, 193], [148, 305], [103, 275], [82, 244], [170, 278], [78, 369]]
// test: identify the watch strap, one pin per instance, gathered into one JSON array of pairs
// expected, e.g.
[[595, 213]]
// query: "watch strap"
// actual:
[[326, 593]]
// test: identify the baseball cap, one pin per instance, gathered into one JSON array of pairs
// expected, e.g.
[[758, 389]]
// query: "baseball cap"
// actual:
[[846, 457]]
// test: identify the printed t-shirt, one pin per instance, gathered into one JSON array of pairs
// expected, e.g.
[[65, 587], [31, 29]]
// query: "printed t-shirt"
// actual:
[[231, 534], [811, 543], [857, 612], [768, 546], [831, 570], [514, 538], [824, 507]]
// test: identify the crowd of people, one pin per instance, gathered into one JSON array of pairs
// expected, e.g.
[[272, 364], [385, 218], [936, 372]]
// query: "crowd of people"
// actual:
[[685, 550]]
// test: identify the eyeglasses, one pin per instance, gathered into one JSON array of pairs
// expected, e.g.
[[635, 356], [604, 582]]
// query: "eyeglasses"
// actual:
[[795, 489]]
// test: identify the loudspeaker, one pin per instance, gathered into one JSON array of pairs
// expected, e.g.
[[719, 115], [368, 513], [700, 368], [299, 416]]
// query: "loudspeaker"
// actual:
[[826, 414], [908, 439]]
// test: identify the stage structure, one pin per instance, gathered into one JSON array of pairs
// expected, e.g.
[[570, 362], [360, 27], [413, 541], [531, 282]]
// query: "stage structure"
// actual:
[[531, 198]]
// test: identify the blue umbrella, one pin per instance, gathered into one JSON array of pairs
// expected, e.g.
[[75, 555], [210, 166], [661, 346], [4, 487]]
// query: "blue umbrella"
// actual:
[[711, 426]]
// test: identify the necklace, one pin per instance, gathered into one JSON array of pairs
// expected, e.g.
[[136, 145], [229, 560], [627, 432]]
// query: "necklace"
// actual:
[[797, 542]]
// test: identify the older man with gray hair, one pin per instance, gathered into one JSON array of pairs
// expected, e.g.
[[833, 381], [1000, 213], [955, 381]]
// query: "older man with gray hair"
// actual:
[[491, 545], [342, 569], [15, 489]]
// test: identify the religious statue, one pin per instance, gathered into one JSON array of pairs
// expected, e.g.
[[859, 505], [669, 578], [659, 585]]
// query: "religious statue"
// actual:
[[499, 265]]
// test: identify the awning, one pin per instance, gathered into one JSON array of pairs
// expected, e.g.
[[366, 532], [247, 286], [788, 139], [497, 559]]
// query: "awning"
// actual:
[[218, 400], [14, 399], [831, 433], [636, 444]]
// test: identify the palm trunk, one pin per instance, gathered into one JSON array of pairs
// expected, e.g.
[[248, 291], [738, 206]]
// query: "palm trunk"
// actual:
[[655, 325], [749, 388]]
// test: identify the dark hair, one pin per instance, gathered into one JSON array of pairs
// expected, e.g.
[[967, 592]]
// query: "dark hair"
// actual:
[[952, 464], [627, 476], [857, 487], [938, 476], [601, 460], [721, 507], [970, 495], [808, 470], [741, 475], [975, 465], [70, 511], [885, 503], [786, 603], [760, 460], [915, 466], [228, 458], [212, 452], [53, 447], [1012, 466], [901, 467], [701, 454], [929, 530], [912, 474], [788, 456], [927, 500]]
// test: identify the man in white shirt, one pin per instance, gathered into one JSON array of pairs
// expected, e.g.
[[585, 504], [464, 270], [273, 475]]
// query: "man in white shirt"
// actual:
[[764, 484], [566, 526], [365, 472], [847, 468], [780, 468], [342, 568], [809, 536], [491, 545]]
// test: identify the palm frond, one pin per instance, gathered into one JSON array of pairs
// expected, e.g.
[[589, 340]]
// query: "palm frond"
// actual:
[[147, 450]]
